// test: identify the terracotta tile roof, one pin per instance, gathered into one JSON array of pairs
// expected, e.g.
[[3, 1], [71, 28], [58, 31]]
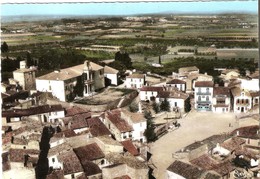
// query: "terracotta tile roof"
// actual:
[[55, 174], [71, 163], [152, 88], [75, 110], [233, 144], [217, 91], [134, 117], [7, 138], [5, 162], [211, 142], [97, 127], [110, 70], [176, 81], [247, 132], [68, 73], [224, 168], [135, 75], [89, 152], [68, 133], [17, 155], [123, 177], [32, 111], [204, 84], [129, 160], [211, 176], [115, 118], [247, 153], [172, 94], [90, 168], [129, 146], [205, 162], [186, 170], [78, 123], [59, 149]]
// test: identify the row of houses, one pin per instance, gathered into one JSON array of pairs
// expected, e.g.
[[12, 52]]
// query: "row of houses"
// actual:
[[82, 144], [239, 94]]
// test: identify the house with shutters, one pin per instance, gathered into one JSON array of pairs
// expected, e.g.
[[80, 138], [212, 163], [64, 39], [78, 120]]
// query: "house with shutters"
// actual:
[[176, 84], [221, 101], [203, 95], [241, 99], [135, 81]]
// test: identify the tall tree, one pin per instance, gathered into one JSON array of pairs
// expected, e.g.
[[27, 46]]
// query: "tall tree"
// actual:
[[187, 105], [4, 47], [156, 107], [165, 105], [149, 132]]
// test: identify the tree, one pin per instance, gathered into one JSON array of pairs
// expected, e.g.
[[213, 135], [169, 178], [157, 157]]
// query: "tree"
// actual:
[[4, 47], [160, 61], [156, 107], [187, 105], [29, 60], [124, 58], [133, 107], [165, 105], [149, 132], [79, 87]]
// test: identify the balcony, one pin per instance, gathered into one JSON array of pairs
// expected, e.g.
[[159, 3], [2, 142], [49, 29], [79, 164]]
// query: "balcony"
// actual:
[[203, 102], [203, 93]]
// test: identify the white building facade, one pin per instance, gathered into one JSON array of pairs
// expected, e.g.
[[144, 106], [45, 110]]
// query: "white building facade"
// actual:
[[203, 95], [149, 93], [242, 100], [135, 81]]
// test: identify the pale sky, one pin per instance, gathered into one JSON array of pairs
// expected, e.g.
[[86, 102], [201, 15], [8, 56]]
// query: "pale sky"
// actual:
[[124, 8]]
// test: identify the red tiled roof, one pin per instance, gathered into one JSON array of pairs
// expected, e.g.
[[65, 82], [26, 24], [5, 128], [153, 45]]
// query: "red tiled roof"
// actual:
[[205, 162], [71, 163], [78, 123], [186, 170], [75, 110], [55, 174], [135, 75], [254, 93], [152, 88], [97, 128], [115, 118], [247, 132], [90, 168], [204, 84], [129, 146], [224, 168], [176, 81], [233, 144], [32, 111], [172, 94], [68, 133], [221, 91], [89, 152], [17, 155]]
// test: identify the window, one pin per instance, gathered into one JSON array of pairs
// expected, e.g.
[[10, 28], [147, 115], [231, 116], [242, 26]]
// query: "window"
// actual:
[[53, 160], [72, 175], [256, 100], [140, 80], [131, 79], [102, 162], [242, 101], [246, 101], [50, 87], [199, 98], [207, 90], [175, 104], [140, 124]]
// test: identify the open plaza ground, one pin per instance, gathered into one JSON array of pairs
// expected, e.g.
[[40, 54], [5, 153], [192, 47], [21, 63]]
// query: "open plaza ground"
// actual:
[[194, 127]]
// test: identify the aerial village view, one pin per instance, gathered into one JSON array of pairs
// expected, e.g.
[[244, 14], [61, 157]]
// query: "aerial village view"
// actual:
[[165, 90]]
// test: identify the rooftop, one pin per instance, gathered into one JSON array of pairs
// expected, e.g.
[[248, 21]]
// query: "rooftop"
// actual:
[[89, 152], [71, 163], [172, 94], [135, 75], [237, 92], [17, 155], [176, 81], [233, 144], [221, 91], [32, 111], [204, 84], [97, 127], [152, 88], [110, 70], [134, 117], [90, 168], [247, 132], [75, 110], [69, 73], [129, 146], [186, 170], [115, 117], [188, 69]]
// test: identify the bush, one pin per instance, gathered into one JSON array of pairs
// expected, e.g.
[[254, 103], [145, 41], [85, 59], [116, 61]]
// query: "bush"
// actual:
[[156, 107], [133, 107]]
